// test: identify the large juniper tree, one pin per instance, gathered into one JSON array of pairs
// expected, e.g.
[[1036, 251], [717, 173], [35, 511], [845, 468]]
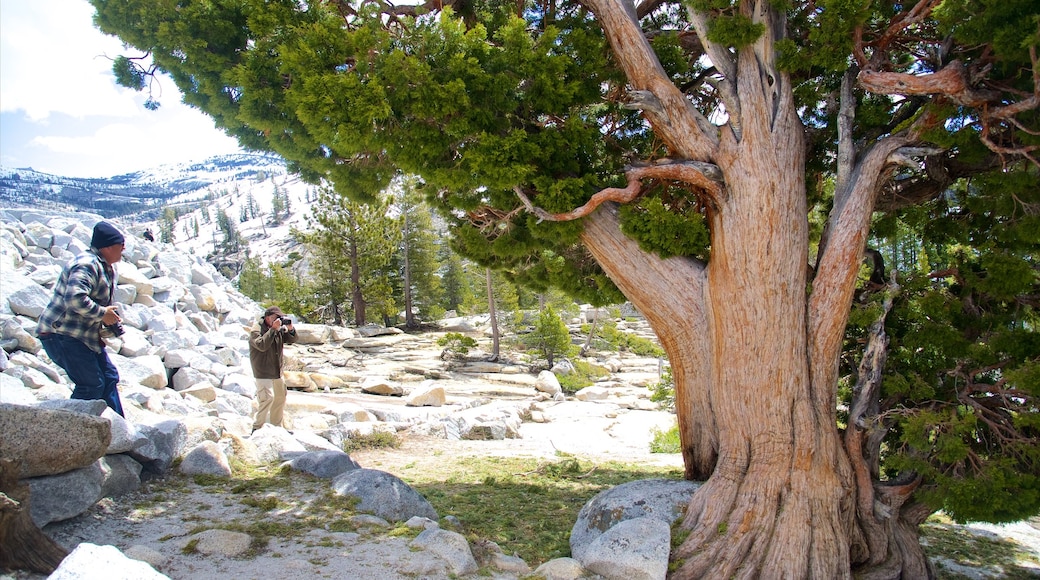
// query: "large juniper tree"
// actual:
[[682, 155]]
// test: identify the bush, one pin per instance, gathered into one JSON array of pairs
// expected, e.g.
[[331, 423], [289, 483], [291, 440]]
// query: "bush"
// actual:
[[584, 375], [663, 391], [455, 345], [665, 441], [610, 338], [374, 440]]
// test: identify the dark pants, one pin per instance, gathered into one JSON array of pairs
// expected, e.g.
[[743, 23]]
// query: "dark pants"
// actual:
[[93, 373]]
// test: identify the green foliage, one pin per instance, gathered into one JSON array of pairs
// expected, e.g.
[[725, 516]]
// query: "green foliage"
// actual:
[[128, 73], [373, 440], [609, 337], [585, 374], [664, 230], [416, 262], [663, 391], [666, 441], [549, 336], [456, 344], [963, 356], [254, 282]]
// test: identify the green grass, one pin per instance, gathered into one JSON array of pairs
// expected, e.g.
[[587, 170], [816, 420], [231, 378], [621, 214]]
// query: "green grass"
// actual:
[[964, 548], [526, 505]]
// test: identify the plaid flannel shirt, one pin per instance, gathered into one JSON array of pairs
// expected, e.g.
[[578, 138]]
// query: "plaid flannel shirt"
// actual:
[[82, 292]]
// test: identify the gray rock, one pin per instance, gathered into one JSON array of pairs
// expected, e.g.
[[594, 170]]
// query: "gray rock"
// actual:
[[635, 549], [206, 458], [561, 569], [13, 392], [663, 499], [324, 464], [50, 441], [121, 475], [451, 546], [95, 407], [548, 383], [59, 497], [383, 494], [165, 441]]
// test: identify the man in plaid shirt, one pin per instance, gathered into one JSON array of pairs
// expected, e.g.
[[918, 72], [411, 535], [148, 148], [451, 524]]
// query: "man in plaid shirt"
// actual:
[[71, 326]]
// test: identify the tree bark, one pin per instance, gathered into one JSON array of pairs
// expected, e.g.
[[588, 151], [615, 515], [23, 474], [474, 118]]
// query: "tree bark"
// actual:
[[493, 315], [409, 316], [22, 545], [778, 500]]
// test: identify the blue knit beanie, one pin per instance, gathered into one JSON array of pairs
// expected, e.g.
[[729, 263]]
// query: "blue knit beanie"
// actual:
[[105, 235]]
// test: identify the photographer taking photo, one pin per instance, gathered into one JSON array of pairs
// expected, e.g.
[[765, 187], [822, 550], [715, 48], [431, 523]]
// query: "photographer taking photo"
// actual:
[[266, 341]]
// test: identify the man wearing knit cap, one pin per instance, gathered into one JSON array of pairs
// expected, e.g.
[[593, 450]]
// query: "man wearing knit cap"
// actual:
[[81, 313]]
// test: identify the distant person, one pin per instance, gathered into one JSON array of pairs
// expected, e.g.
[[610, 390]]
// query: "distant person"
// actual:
[[81, 313], [148, 235], [266, 341]]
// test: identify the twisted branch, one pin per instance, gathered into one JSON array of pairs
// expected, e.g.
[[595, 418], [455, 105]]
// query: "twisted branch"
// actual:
[[704, 176]]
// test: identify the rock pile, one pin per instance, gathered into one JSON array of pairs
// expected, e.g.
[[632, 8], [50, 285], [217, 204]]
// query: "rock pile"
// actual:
[[188, 393]]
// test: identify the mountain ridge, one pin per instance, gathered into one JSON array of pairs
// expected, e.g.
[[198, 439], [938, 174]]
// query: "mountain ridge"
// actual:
[[140, 193]]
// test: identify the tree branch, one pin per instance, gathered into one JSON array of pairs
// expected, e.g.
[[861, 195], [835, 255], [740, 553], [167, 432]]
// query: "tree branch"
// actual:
[[685, 131], [704, 176]]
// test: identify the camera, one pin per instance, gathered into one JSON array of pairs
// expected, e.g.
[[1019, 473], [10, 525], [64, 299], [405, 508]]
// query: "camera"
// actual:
[[285, 320], [116, 329]]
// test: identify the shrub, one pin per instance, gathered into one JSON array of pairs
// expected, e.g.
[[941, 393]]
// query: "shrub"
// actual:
[[455, 345], [665, 441], [374, 440], [584, 375]]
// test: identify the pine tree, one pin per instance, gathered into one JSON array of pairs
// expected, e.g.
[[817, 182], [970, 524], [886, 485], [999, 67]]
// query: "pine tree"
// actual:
[[363, 238], [549, 336], [722, 166], [420, 285]]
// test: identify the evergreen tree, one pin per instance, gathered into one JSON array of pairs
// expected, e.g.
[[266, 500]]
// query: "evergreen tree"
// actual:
[[694, 158], [420, 285], [279, 206], [456, 284], [360, 239], [166, 222], [549, 336], [232, 242]]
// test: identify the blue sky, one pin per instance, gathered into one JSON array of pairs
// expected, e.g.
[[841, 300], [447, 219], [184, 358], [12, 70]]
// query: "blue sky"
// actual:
[[61, 111]]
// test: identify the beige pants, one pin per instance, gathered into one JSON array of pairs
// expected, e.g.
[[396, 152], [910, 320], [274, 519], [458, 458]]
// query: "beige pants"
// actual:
[[270, 394]]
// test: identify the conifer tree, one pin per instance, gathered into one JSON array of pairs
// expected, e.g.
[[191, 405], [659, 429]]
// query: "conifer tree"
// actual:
[[721, 165], [418, 264], [359, 239]]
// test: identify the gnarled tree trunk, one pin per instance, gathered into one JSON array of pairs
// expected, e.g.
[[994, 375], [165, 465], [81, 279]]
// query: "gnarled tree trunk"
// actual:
[[22, 545], [754, 342]]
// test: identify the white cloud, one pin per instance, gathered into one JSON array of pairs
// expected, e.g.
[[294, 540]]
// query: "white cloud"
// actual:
[[55, 68], [53, 60]]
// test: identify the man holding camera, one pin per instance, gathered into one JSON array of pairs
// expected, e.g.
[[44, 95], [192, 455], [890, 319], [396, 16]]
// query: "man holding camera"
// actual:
[[81, 312], [265, 356]]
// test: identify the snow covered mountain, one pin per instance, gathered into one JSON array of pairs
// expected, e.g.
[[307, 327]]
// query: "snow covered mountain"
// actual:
[[137, 193], [243, 186]]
